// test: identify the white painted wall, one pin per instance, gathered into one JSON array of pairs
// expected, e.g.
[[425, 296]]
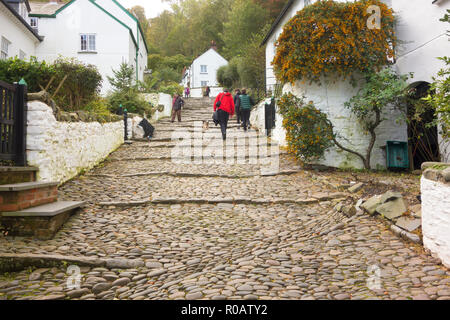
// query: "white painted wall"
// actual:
[[213, 60], [20, 37], [436, 219], [425, 42], [114, 42], [61, 150]]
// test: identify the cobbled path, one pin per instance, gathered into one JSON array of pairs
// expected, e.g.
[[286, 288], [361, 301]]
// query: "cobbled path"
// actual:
[[219, 231]]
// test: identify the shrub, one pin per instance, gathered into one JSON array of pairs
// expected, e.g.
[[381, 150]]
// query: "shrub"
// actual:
[[308, 131], [171, 88], [34, 72], [130, 100], [123, 78], [82, 85], [329, 38]]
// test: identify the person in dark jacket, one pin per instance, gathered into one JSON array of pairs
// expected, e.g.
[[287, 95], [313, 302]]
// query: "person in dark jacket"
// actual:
[[246, 104], [176, 108], [236, 105], [225, 110], [208, 90]]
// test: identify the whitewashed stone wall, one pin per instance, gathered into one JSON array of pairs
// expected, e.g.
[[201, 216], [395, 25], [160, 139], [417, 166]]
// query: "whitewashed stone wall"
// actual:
[[61, 150], [330, 99], [160, 99], [436, 218]]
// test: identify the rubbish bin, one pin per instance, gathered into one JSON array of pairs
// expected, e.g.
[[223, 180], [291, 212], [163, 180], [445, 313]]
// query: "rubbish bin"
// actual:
[[397, 155]]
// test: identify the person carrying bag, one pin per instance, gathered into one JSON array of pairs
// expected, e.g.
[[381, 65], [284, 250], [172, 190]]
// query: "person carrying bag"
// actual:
[[223, 109]]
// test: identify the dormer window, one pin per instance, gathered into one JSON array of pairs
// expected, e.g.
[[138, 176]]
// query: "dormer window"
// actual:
[[34, 23]]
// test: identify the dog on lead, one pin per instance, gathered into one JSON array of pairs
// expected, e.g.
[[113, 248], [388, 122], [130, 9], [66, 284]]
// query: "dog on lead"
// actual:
[[205, 125]]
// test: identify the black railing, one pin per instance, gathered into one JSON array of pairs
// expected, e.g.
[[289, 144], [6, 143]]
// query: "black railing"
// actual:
[[13, 122]]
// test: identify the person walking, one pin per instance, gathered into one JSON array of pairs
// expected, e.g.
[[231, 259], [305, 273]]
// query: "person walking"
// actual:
[[187, 92], [178, 103], [237, 104], [224, 105], [246, 104], [208, 90]]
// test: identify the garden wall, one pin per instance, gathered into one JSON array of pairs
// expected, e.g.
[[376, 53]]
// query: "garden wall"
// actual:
[[61, 150], [330, 99], [435, 187]]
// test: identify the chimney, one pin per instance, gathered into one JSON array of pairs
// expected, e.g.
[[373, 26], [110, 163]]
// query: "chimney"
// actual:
[[213, 45]]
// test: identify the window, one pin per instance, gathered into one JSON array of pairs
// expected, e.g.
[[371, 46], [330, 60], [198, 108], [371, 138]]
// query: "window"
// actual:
[[88, 43], [204, 83], [4, 49], [204, 69], [22, 55], [34, 23]]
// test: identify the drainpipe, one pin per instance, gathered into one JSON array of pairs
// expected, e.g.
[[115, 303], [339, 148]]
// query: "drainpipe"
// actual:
[[137, 56]]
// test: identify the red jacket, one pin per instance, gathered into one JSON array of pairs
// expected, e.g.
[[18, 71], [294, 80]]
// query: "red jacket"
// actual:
[[227, 103]]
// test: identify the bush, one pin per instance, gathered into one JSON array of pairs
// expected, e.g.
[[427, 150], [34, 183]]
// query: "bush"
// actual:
[[329, 38], [82, 85], [171, 88], [308, 131], [228, 76], [34, 72], [130, 100]]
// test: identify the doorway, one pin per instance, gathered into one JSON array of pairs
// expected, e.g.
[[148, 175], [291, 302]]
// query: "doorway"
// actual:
[[422, 132]]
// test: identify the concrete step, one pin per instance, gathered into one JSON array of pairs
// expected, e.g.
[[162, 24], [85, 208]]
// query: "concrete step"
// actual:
[[19, 196], [41, 222], [10, 175]]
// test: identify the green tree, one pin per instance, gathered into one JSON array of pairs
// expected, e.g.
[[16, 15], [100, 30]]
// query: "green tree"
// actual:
[[245, 18], [382, 90], [123, 78]]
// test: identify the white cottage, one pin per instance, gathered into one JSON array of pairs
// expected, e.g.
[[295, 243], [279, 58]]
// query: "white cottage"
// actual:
[[424, 38], [203, 73], [17, 37], [98, 32]]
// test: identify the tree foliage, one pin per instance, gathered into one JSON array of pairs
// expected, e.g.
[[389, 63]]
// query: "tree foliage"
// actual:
[[440, 99], [382, 90], [330, 38]]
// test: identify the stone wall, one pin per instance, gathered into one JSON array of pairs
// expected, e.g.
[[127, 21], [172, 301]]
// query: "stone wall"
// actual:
[[330, 99], [61, 150], [435, 187]]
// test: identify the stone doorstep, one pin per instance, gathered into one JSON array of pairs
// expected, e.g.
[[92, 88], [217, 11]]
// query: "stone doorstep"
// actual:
[[26, 186], [41, 222], [18, 169], [46, 210]]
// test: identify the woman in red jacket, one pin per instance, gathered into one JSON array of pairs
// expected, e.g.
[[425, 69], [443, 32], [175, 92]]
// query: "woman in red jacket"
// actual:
[[225, 110]]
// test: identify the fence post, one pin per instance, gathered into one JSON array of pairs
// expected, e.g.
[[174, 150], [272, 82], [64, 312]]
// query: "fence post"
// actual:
[[125, 119], [20, 127]]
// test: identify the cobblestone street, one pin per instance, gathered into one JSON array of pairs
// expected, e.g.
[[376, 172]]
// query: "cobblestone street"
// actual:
[[154, 229]]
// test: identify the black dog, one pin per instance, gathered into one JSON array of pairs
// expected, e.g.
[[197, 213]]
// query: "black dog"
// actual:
[[148, 128]]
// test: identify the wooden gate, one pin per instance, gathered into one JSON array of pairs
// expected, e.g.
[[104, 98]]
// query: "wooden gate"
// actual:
[[13, 117]]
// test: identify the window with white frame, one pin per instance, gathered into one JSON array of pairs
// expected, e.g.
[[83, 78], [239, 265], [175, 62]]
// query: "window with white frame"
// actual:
[[88, 43], [34, 23], [22, 55], [203, 69], [4, 48], [204, 83]]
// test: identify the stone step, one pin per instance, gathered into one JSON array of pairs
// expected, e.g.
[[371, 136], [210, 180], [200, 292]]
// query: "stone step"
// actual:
[[10, 175], [42, 222], [19, 196]]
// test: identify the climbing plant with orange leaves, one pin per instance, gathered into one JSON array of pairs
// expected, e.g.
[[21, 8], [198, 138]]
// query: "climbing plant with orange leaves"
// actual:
[[332, 39]]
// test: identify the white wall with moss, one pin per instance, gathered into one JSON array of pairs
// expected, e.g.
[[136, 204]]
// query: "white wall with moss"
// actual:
[[61, 150]]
